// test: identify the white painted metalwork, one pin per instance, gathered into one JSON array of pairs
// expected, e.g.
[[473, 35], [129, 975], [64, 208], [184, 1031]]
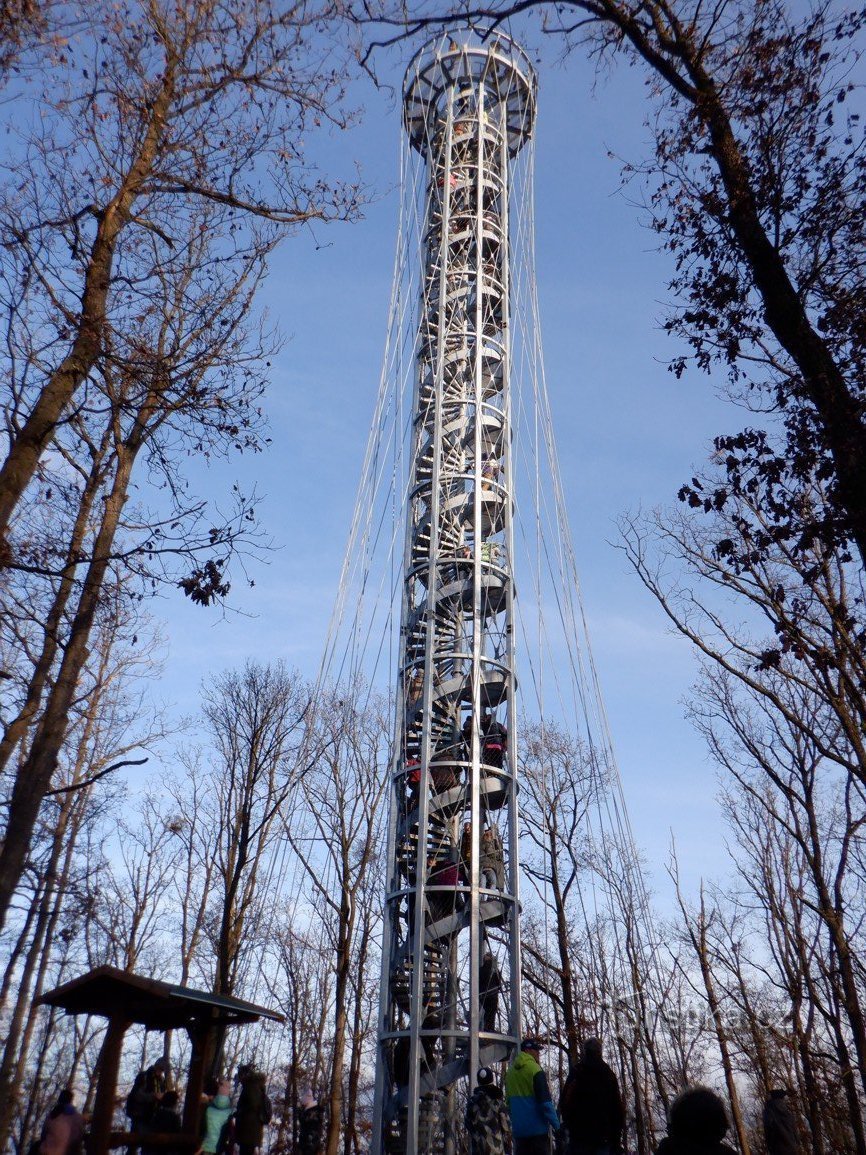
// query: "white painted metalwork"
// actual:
[[451, 906]]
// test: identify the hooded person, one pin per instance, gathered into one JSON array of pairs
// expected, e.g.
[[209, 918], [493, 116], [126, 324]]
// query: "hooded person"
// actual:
[[216, 1120], [528, 1095], [253, 1110], [697, 1124], [591, 1105], [780, 1126], [488, 1121]]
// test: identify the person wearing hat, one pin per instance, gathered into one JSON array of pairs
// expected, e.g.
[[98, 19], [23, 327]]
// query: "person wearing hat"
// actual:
[[488, 1122], [144, 1098], [780, 1127], [591, 1105], [528, 1095], [154, 1086]]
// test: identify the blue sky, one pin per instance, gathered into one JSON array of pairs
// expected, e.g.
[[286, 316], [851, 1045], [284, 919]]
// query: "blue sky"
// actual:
[[628, 432]]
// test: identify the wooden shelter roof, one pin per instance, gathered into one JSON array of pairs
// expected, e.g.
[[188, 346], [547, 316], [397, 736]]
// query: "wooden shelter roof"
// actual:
[[157, 1005]]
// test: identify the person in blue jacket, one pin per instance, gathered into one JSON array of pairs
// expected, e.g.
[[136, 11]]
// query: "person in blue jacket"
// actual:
[[528, 1095]]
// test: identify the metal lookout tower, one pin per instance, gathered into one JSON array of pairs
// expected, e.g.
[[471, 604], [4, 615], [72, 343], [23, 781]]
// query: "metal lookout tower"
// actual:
[[450, 996]]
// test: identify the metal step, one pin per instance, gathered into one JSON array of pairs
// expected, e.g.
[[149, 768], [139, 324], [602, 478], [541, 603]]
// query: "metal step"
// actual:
[[489, 1054]]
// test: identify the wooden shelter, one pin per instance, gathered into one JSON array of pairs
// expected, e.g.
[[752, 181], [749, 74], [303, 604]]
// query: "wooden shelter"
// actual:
[[125, 998]]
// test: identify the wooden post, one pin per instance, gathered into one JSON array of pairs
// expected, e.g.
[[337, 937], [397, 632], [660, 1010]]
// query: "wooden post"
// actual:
[[202, 1037], [106, 1088]]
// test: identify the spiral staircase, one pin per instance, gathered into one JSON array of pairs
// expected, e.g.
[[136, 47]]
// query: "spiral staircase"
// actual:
[[468, 110]]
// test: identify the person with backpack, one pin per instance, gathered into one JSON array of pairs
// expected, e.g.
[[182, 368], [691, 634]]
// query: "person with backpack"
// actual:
[[253, 1111], [488, 1122], [217, 1121], [590, 1105]]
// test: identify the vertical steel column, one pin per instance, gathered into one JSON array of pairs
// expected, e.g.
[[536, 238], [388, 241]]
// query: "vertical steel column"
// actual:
[[451, 910]]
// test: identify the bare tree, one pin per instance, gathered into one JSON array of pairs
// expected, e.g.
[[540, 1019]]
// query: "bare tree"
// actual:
[[161, 349], [128, 913], [155, 112], [780, 700], [696, 924], [557, 776], [786, 713], [343, 795], [109, 722], [176, 392], [303, 985], [189, 819], [257, 721], [602, 974]]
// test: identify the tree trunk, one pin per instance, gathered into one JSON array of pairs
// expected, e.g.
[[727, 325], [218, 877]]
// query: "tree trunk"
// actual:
[[702, 953], [34, 776], [566, 974], [17, 727], [18, 950], [343, 963], [350, 1138], [849, 1083], [37, 431], [809, 1097]]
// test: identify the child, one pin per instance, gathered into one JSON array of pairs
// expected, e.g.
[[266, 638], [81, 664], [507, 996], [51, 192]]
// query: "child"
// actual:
[[217, 1121]]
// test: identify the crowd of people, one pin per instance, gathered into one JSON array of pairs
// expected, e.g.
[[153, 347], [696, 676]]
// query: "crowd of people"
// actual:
[[590, 1117], [520, 1118], [233, 1117]]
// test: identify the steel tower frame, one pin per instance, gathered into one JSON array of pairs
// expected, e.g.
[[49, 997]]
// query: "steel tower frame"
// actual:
[[451, 934]]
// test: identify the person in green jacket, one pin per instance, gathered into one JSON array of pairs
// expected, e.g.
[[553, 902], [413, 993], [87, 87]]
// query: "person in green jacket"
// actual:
[[215, 1123], [528, 1095]]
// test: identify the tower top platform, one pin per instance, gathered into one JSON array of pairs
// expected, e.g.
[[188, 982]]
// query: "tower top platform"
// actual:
[[461, 63]]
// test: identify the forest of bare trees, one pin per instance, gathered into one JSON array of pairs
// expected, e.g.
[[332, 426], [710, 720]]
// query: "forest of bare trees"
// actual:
[[154, 162], [211, 878]]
